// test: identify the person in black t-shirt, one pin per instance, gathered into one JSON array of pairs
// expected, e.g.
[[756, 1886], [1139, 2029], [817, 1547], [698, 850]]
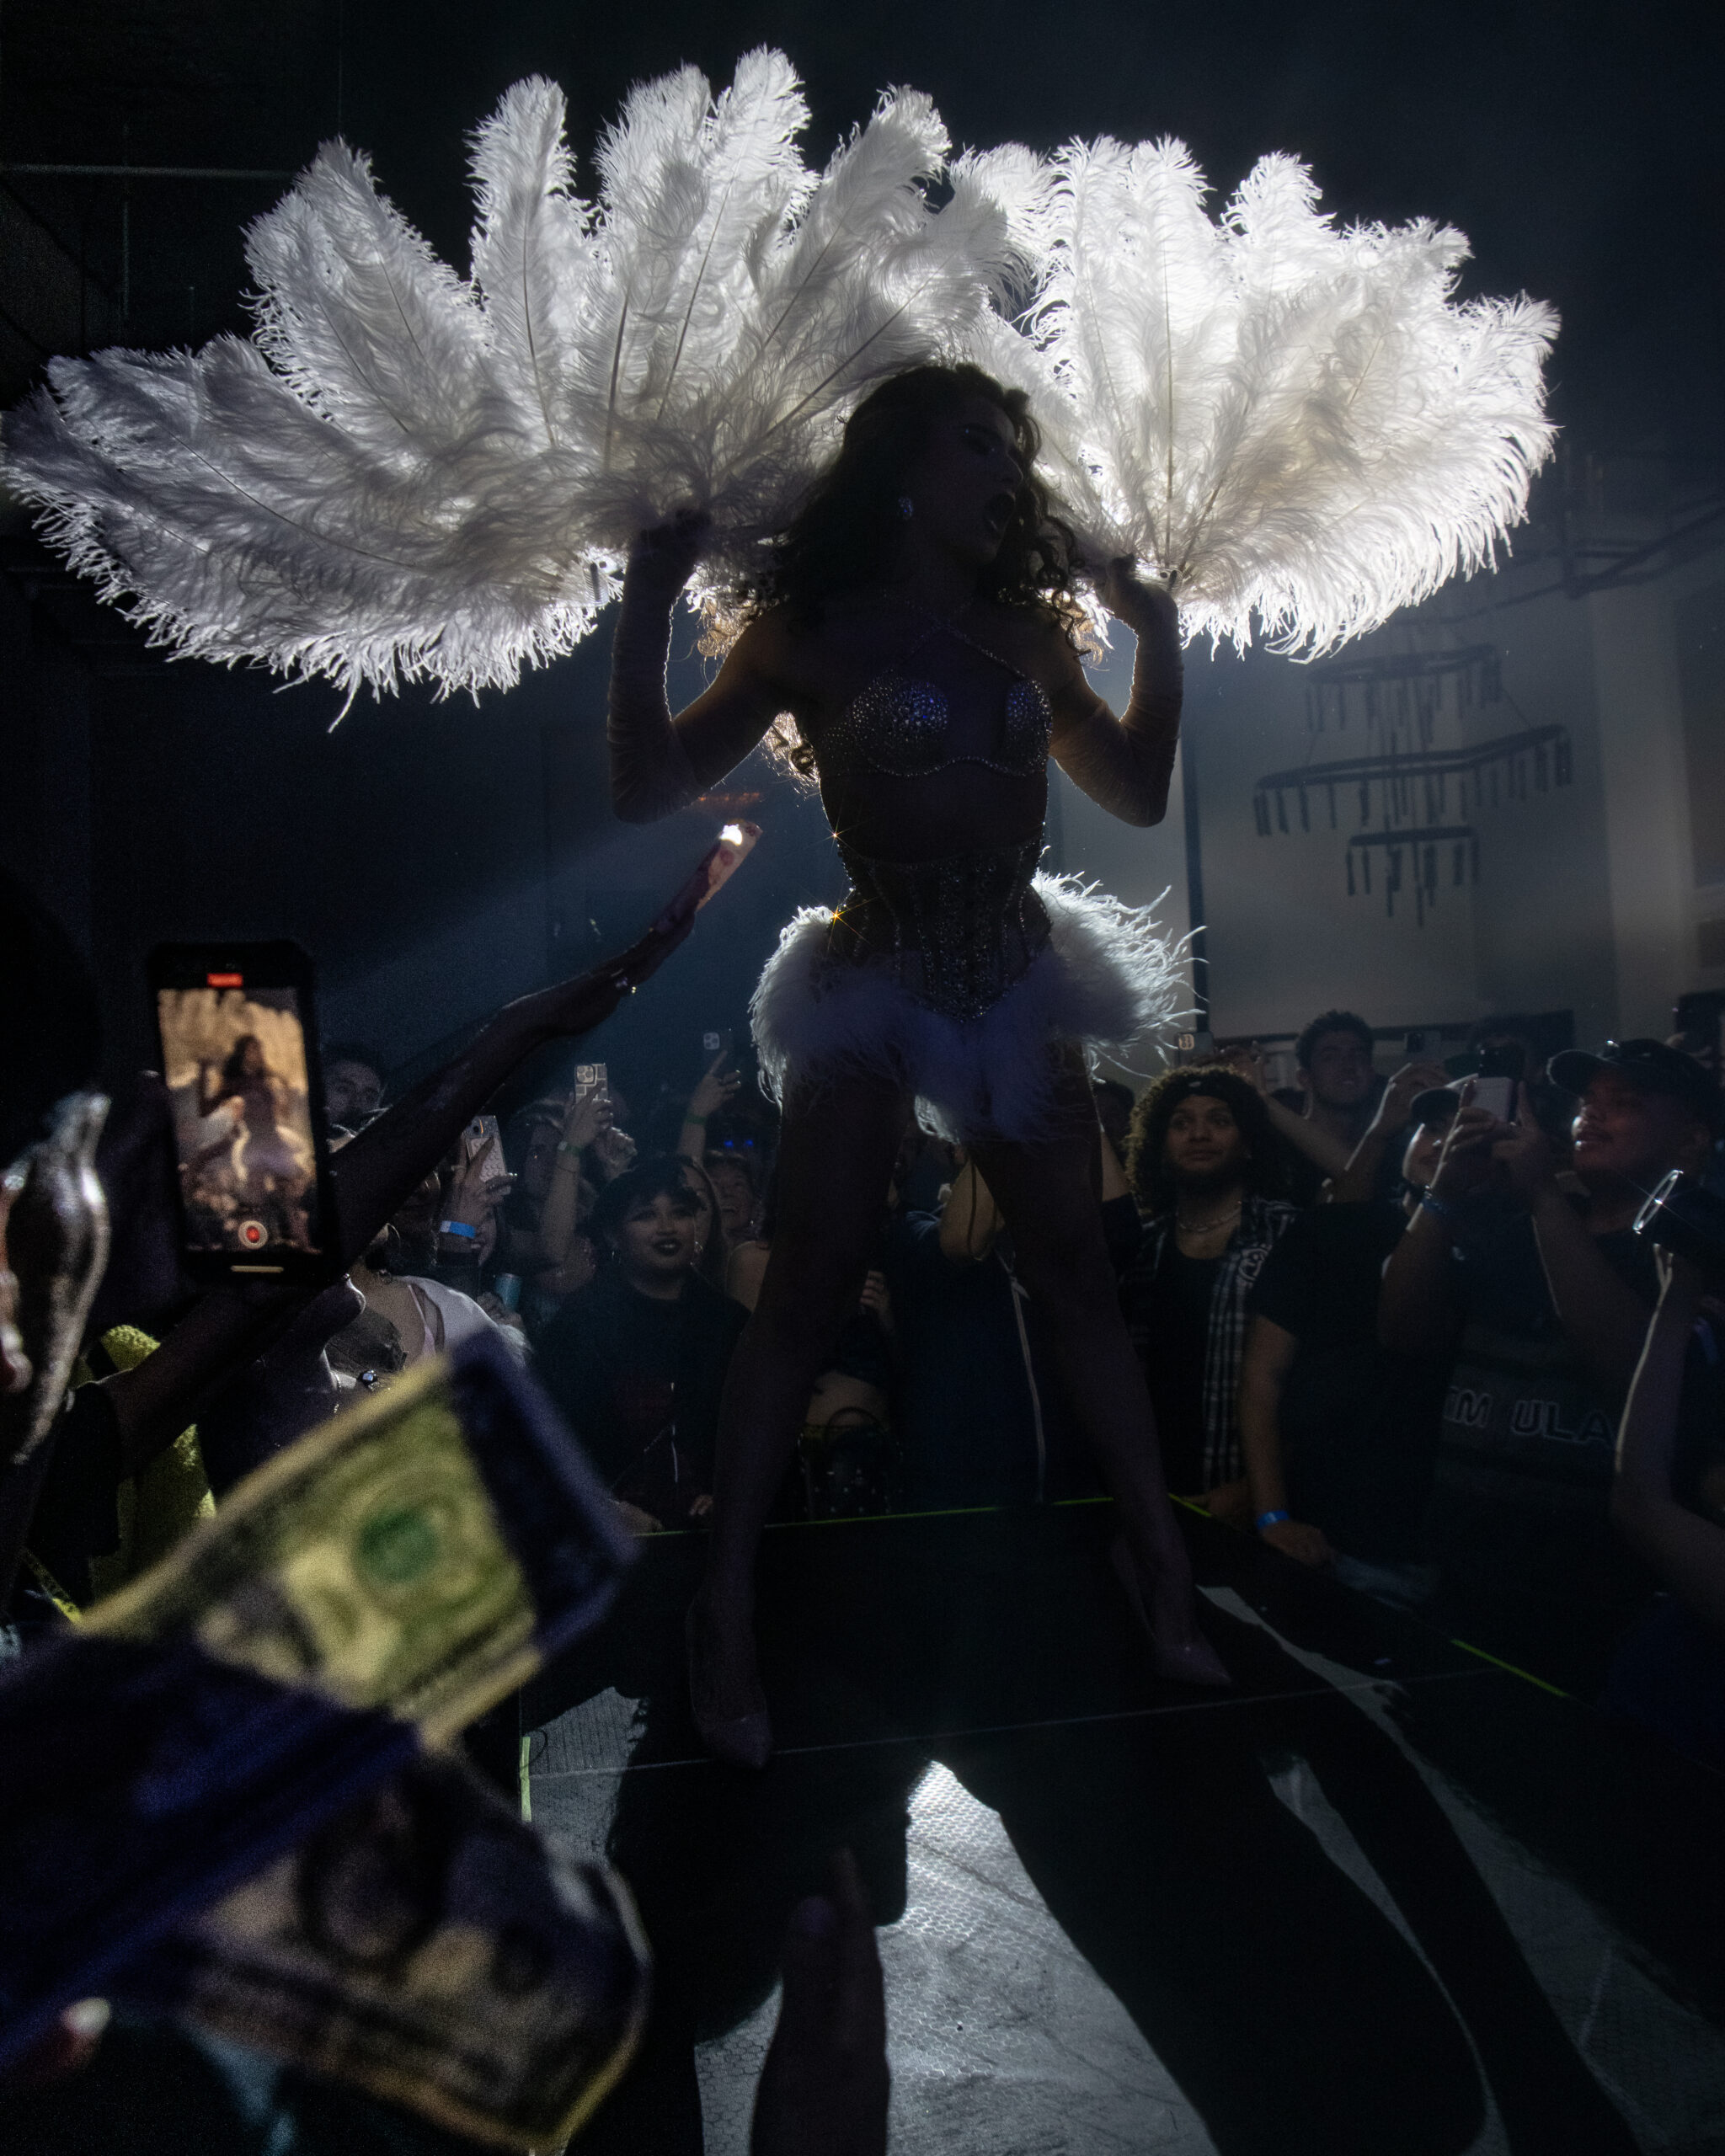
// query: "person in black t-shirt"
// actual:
[[983, 1411], [1339, 1433], [1668, 1502], [637, 1361]]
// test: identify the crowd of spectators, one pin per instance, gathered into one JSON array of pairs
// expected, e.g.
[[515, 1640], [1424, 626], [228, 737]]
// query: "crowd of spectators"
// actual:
[[1397, 1327], [1387, 1332]]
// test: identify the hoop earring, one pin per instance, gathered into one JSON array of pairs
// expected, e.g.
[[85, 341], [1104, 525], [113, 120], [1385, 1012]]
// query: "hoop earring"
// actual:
[[907, 507]]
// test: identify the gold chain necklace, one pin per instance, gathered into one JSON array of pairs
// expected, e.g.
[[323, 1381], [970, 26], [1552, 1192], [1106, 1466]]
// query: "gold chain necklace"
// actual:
[[1206, 1227]]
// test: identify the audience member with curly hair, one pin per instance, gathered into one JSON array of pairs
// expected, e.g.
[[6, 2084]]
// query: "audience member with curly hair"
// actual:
[[1208, 1167]]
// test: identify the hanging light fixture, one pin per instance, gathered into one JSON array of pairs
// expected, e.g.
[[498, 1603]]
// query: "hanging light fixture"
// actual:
[[1405, 783]]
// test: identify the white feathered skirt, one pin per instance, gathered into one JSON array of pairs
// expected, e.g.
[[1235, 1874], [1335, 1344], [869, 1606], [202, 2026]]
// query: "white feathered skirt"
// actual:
[[1105, 979]]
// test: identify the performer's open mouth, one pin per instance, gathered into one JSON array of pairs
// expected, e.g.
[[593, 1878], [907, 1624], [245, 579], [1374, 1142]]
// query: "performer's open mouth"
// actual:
[[999, 515]]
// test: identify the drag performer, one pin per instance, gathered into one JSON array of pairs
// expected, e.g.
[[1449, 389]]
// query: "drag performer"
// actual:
[[262, 1153], [917, 623]]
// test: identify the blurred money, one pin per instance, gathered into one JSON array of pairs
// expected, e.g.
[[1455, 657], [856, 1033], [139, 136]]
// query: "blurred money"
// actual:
[[422, 1553], [138, 1780], [383, 1581], [427, 1947]]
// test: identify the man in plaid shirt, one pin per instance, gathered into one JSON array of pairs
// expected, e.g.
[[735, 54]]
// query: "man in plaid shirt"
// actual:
[[1206, 1163]]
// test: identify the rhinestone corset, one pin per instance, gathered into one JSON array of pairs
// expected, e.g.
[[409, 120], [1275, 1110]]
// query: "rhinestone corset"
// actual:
[[958, 931]]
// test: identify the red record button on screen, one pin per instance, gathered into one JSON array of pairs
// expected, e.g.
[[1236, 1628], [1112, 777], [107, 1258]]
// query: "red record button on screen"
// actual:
[[254, 1234], [226, 981]]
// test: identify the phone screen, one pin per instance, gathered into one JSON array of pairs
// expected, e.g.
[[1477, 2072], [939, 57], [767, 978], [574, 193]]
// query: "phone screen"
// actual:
[[1700, 1018], [236, 1060], [483, 1143]]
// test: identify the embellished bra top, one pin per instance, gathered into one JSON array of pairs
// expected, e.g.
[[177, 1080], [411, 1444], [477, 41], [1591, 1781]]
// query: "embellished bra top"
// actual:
[[898, 725]]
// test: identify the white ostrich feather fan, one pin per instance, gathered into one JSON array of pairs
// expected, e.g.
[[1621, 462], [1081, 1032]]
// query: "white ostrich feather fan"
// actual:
[[401, 474], [1284, 419]]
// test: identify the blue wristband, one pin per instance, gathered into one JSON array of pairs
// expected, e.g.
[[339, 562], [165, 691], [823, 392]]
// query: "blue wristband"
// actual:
[[458, 1227], [1444, 1210], [1271, 1519]]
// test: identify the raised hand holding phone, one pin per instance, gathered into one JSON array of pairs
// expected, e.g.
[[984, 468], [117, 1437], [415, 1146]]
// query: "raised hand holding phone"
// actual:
[[712, 872], [1500, 1071], [238, 1034], [736, 842], [715, 1088]]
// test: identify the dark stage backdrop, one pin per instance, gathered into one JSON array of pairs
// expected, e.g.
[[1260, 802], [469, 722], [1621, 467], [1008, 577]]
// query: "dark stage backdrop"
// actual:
[[436, 858]]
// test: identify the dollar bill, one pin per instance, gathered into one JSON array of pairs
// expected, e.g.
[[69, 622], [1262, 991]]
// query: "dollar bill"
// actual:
[[421, 1553], [428, 1947], [382, 1583], [140, 1779]]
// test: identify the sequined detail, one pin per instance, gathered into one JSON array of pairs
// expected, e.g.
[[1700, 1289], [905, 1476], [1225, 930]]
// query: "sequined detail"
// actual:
[[957, 931], [898, 726]]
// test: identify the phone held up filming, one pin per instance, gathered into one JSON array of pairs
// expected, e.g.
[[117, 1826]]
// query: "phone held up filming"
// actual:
[[237, 1033], [1500, 1071]]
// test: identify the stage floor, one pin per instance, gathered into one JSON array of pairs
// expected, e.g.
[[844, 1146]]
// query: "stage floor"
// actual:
[[1385, 1897]]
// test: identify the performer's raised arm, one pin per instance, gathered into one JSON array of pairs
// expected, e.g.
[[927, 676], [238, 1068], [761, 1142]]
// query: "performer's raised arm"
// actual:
[[660, 764], [1124, 764]]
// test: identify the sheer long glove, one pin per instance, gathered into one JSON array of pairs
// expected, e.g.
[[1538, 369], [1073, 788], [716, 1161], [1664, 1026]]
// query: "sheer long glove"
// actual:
[[1126, 765], [651, 775]]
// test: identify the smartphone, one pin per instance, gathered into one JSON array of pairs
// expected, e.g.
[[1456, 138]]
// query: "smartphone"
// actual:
[[589, 1078], [736, 842], [1494, 1086], [236, 1027], [481, 1142], [1699, 1017], [716, 1043]]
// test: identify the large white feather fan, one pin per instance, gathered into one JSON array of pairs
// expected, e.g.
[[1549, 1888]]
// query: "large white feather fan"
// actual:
[[1287, 421], [402, 474]]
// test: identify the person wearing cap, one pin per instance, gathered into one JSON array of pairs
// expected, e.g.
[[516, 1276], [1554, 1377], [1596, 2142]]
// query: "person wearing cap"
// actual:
[[1339, 1433], [1544, 1296]]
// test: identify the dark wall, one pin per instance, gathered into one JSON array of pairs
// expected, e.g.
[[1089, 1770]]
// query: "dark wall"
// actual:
[[436, 858]]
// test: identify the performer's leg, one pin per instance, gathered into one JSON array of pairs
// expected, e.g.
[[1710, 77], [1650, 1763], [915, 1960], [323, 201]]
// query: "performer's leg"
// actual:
[[1048, 1193], [836, 1156]]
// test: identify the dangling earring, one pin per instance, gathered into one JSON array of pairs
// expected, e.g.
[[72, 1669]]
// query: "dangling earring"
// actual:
[[907, 507]]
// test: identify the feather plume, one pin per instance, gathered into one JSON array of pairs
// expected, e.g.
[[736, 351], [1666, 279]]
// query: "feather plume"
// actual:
[[1290, 423], [719, 377], [344, 494], [405, 474]]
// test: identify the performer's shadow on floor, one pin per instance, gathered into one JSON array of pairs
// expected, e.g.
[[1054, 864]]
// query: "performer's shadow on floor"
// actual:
[[1293, 2014]]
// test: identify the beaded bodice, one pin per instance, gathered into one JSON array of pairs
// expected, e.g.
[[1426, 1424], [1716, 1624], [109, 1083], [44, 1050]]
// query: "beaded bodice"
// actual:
[[957, 931], [898, 725]]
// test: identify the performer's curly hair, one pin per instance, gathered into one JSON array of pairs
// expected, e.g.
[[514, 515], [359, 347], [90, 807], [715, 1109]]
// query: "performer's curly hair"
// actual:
[[1264, 1173], [843, 536]]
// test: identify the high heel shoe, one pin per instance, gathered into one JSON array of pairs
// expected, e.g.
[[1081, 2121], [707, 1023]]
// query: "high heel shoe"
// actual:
[[738, 1740], [1187, 1661]]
